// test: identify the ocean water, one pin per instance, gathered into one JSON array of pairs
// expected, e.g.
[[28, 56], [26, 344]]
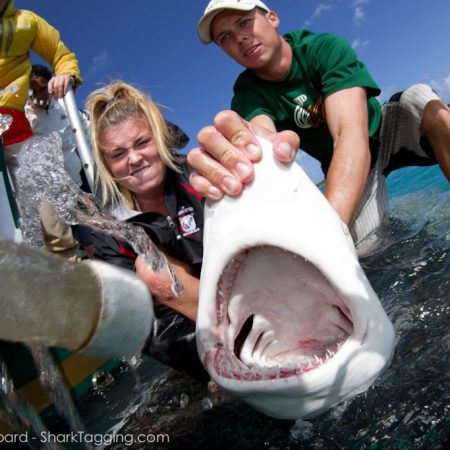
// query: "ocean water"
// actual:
[[407, 408]]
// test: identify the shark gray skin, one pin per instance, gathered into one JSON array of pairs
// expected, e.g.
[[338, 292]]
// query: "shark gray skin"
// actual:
[[287, 319]]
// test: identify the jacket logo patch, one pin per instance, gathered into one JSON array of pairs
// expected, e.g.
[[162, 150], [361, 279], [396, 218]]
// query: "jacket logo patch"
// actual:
[[187, 222]]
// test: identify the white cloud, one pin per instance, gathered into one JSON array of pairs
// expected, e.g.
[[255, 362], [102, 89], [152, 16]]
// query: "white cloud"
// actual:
[[447, 82], [99, 61], [442, 87], [359, 14], [359, 44], [101, 57], [321, 7]]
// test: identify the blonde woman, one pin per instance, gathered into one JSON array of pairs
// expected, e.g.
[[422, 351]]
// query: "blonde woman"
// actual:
[[144, 182]]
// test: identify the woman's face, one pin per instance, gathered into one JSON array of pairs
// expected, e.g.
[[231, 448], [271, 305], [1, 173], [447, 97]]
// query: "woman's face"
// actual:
[[132, 157]]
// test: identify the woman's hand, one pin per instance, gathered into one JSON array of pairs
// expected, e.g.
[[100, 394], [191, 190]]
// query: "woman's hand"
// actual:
[[159, 285], [224, 161]]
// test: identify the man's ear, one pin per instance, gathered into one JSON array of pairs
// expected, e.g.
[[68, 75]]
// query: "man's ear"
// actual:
[[273, 19]]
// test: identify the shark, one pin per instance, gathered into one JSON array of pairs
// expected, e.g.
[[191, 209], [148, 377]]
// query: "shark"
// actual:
[[287, 320]]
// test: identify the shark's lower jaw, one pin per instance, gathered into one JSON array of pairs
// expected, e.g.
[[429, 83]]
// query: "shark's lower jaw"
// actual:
[[277, 316]]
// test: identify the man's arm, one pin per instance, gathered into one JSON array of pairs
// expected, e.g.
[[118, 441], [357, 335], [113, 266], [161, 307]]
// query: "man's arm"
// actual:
[[347, 119]]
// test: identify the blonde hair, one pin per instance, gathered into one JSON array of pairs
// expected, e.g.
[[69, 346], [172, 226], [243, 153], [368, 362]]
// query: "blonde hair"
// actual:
[[112, 105]]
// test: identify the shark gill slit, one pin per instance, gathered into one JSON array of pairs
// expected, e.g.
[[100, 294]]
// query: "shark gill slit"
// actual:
[[243, 333], [309, 354]]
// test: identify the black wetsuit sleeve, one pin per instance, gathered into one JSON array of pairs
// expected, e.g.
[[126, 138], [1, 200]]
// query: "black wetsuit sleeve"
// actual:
[[110, 249], [172, 339]]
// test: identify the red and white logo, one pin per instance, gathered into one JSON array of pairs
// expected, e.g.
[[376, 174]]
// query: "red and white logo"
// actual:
[[186, 218]]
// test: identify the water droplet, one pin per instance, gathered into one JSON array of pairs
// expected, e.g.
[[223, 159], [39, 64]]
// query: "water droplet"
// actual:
[[207, 404], [101, 380], [184, 400], [302, 430], [5, 122]]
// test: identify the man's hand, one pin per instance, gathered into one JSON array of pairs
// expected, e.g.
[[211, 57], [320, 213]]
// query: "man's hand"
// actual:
[[59, 84], [224, 161]]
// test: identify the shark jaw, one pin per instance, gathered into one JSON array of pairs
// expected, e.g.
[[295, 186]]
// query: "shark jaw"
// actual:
[[257, 343], [287, 318], [287, 339]]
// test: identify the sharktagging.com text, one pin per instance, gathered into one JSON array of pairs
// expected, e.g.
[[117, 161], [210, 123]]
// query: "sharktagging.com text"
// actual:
[[46, 437]]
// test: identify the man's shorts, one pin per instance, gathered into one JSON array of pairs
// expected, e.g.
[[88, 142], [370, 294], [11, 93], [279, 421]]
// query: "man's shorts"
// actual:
[[400, 145]]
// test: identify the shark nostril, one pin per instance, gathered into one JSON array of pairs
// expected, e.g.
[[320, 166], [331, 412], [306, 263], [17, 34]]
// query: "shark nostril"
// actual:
[[242, 336]]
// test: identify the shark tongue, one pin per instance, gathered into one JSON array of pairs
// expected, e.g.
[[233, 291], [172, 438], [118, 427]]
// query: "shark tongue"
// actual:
[[260, 292]]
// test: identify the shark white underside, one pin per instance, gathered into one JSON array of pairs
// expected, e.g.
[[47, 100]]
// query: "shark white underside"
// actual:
[[287, 318]]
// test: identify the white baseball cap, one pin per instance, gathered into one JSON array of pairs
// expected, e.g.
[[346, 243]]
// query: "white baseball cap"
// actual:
[[216, 6]]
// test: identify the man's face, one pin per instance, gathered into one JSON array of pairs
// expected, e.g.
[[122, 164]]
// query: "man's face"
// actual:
[[250, 38], [39, 97]]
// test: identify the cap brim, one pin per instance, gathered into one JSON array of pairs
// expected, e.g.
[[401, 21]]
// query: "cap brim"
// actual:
[[204, 25]]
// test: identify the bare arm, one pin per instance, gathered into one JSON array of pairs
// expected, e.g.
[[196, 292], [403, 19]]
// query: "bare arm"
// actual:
[[187, 303], [224, 161], [347, 119]]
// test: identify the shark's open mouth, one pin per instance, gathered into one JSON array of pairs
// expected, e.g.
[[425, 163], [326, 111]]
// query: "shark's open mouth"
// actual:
[[277, 316]]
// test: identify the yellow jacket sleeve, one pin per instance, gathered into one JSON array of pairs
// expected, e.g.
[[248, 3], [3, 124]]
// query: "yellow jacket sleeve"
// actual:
[[20, 32], [48, 44]]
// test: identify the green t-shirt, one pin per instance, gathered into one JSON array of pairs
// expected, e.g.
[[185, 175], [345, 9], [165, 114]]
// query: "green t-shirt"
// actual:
[[321, 65]]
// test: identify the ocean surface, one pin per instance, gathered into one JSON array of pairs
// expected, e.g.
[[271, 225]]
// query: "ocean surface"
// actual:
[[407, 408]]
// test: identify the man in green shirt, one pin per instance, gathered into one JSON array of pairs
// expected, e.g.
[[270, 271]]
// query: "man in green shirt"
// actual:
[[314, 85]]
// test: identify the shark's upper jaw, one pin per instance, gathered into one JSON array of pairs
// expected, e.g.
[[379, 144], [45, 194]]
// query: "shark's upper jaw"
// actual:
[[259, 293]]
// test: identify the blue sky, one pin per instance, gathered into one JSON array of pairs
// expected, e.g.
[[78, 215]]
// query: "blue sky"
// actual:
[[154, 45]]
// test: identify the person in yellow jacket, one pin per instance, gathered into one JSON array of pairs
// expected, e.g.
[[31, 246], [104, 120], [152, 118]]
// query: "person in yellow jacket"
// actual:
[[20, 32]]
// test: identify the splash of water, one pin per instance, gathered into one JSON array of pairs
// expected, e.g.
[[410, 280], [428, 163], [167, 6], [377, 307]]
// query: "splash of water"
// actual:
[[5, 122], [51, 379], [20, 414], [41, 176]]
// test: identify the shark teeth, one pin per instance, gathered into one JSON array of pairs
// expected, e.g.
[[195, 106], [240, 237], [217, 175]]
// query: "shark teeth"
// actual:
[[227, 365]]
